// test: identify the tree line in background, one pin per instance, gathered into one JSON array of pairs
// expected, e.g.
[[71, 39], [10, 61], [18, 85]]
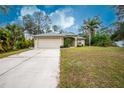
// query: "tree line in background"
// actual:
[[39, 23], [98, 35]]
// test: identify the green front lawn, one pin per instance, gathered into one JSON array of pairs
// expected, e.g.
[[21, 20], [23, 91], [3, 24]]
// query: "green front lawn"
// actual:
[[92, 67], [12, 52]]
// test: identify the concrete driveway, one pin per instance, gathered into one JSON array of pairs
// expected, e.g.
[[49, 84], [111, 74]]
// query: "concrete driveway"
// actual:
[[35, 68]]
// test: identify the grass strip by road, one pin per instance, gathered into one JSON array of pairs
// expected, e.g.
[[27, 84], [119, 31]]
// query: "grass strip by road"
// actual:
[[12, 52]]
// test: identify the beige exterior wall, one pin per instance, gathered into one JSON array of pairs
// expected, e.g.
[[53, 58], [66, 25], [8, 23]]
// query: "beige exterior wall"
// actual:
[[75, 42], [48, 42]]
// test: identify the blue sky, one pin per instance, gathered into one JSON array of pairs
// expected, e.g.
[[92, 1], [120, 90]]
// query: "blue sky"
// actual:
[[67, 17]]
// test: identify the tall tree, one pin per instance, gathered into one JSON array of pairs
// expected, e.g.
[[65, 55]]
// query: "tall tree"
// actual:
[[38, 23], [90, 27], [120, 12], [38, 17], [56, 28], [119, 25], [46, 23], [29, 24]]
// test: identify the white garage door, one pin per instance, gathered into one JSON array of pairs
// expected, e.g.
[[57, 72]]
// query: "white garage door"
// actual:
[[49, 43]]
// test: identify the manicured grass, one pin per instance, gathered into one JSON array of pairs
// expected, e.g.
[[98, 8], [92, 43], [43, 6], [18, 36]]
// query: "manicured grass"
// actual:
[[92, 67], [12, 52]]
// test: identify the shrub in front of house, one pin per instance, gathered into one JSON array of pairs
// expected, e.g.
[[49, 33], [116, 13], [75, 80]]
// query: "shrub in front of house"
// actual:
[[101, 40], [68, 42]]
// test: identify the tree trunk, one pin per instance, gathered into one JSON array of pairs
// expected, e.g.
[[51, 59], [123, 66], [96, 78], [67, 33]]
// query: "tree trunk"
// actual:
[[89, 39]]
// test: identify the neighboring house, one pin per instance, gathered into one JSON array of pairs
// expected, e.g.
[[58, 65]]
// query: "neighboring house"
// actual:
[[56, 40]]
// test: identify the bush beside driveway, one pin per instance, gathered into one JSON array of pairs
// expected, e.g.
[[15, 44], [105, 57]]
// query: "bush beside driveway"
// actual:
[[92, 67]]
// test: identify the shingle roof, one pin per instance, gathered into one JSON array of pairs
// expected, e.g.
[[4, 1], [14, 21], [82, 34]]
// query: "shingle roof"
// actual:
[[81, 38], [55, 34]]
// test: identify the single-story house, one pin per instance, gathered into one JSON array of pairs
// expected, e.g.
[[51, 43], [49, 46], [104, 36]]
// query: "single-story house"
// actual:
[[56, 40]]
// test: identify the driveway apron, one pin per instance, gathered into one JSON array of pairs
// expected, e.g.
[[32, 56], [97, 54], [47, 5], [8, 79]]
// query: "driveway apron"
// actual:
[[36, 68]]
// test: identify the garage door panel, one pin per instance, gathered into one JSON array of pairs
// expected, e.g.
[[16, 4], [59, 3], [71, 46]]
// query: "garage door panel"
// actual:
[[49, 43]]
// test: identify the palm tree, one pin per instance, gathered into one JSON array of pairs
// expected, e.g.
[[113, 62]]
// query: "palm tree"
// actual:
[[4, 40], [90, 26], [16, 33], [120, 12], [4, 9]]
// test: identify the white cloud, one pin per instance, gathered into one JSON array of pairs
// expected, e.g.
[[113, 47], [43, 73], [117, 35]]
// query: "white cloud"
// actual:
[[24, 11], [60, 17], [73, 28], [28, 10]]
